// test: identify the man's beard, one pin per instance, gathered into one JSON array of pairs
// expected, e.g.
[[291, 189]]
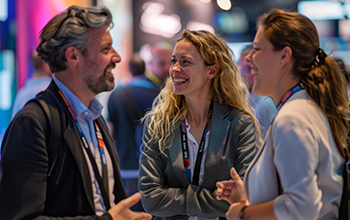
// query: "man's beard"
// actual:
[[100, 84]]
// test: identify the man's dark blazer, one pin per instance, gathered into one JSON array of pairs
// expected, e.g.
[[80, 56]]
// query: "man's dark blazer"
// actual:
[[31, 187]]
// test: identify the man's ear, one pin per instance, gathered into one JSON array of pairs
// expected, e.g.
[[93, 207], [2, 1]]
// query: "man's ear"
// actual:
[[213, 70], [286, 55], [72, 55]]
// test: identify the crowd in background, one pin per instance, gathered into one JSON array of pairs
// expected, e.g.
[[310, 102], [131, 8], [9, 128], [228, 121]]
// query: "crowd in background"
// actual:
[[192, 135]]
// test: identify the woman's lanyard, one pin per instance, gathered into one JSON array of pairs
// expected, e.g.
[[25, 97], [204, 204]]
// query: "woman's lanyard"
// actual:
[[286, 97], [102, 184], [200, 150]]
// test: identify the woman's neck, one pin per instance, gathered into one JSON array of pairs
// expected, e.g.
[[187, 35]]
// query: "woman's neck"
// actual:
[[197, 111], [283, 88]]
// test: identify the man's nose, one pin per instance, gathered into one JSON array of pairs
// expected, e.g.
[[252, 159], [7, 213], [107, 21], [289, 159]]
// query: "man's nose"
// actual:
[[116, 58]]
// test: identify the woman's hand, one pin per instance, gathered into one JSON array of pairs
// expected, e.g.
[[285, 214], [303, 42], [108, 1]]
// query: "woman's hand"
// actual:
[[234, 210], [231, 190]]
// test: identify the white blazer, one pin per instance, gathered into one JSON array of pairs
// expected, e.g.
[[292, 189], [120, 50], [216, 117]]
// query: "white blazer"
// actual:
[[299, 147]]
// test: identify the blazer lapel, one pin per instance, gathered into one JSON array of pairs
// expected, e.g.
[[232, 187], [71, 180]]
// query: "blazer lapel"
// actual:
[[119, 191], [72, 138], [176, 156], [219, 129]]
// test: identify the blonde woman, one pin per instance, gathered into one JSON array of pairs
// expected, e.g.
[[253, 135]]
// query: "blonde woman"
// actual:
[[199, 127], [295, 174]]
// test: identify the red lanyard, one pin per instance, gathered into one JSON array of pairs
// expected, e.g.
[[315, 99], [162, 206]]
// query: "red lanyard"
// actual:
[[286, 97]]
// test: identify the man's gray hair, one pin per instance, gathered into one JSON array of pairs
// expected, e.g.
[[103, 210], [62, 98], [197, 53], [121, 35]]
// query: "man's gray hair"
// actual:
[[70, 28]]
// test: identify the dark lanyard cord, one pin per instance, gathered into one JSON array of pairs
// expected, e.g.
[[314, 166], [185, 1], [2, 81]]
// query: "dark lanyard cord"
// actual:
[[103, 185], [200, 149]]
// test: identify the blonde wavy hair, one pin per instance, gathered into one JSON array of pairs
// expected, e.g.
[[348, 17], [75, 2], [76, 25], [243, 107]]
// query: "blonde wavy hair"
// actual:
[[169, 109], [321, 78]]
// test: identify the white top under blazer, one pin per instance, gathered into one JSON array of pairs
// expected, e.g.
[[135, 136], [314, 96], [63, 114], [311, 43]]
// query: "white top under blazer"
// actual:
[[304, 154]]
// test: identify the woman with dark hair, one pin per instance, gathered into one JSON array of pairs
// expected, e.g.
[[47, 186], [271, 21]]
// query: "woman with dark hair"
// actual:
[[295, 174], [199, 127]]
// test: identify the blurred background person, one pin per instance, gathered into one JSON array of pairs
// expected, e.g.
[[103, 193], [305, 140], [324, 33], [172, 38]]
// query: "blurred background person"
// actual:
[[199, 127], [159, 63], [137, 65], [127, 105], [264, 106], [39, 81]]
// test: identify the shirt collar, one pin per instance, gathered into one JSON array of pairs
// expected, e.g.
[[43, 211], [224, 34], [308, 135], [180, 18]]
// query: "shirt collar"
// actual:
[[190, 136], [95, 107]]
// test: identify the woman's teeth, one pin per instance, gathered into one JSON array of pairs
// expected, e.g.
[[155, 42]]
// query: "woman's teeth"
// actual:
[[179, 80]]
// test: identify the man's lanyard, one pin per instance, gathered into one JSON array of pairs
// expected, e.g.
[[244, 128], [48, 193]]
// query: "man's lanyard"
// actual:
[[103, 156], [287, 96], [102, 184], [200, 150]]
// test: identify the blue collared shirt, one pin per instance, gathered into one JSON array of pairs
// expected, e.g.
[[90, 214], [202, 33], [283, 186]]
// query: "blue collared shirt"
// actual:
[[85, 117]]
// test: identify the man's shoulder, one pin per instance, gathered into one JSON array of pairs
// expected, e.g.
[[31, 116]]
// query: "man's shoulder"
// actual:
[[29, 117], [142, 82], [117, 95], [142, 77], [36, 106], [31, 108]]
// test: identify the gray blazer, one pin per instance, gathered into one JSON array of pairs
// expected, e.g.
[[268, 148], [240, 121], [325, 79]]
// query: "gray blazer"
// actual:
[[231, 144]]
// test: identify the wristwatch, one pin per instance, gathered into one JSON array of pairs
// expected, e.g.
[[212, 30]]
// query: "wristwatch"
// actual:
[[241, 213]]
